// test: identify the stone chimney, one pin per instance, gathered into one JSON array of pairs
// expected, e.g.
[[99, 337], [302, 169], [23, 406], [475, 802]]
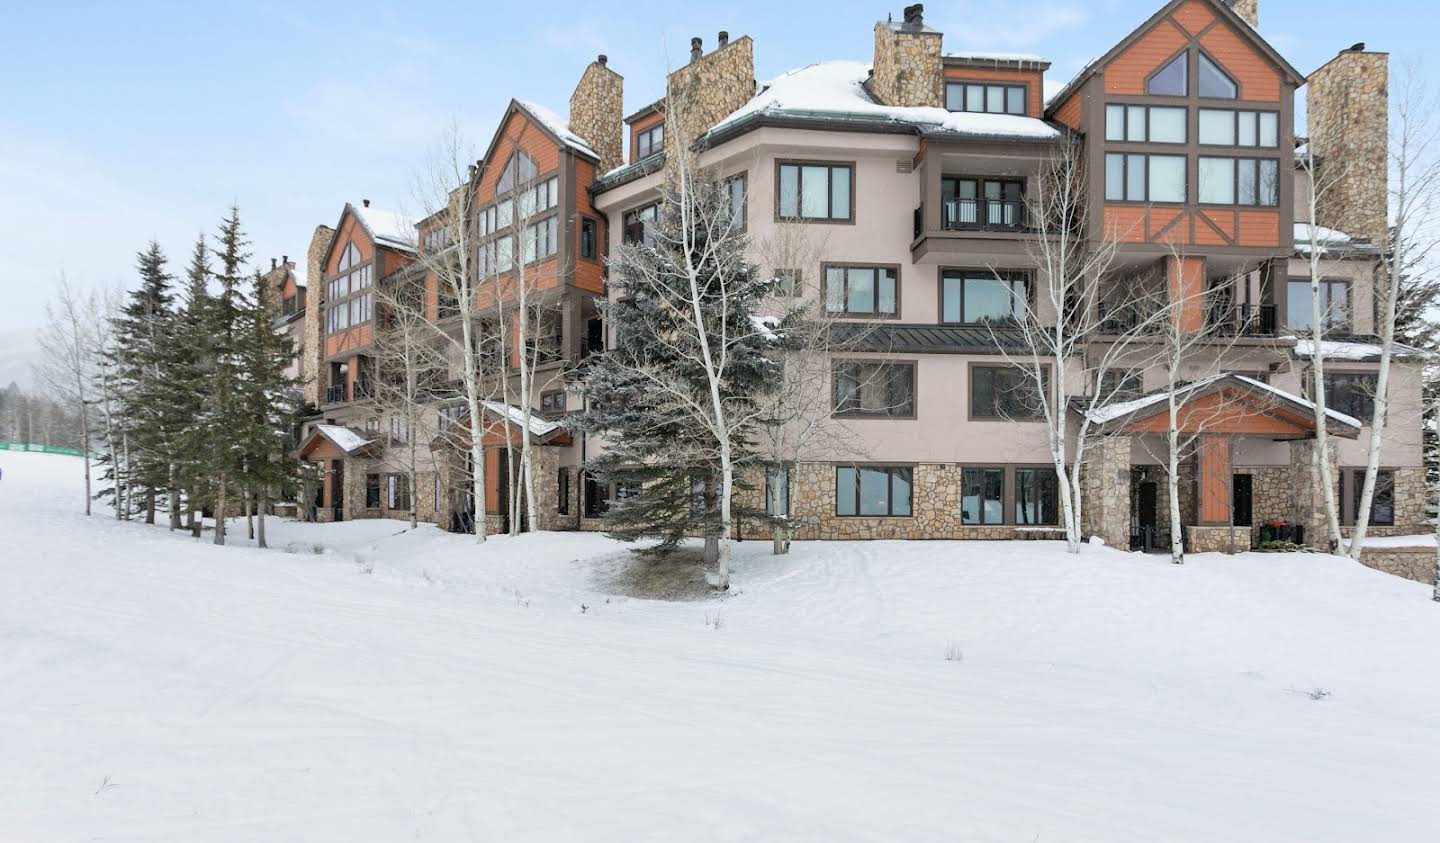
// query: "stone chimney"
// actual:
[[1348, 117], [907, 69], [1249, 10], [312, 351], [597, 109], [709, 88]]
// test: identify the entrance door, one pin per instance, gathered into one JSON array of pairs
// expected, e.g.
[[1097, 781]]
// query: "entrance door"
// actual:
[[337, 489], [1241, 514], [511, 484], [1145, 505]]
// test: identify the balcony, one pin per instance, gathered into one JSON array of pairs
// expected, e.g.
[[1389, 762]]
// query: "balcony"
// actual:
[[335, 393], [983, 215], [1222, 320]]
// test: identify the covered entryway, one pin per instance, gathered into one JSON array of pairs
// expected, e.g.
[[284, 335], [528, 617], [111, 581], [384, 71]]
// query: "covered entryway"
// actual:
[[502, 439], [333, 448]]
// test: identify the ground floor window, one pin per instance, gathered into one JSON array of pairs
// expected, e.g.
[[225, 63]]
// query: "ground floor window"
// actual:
[[597, 497], [437, 491], [562, 492], [1382, 504], [777, 482], [1037, 497], [983, 496], [397, 491], [372, 491], [872, 491]]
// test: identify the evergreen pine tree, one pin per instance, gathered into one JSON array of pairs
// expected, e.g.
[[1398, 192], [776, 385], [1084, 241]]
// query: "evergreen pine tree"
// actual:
[[650, 396], [191, 397], [268, 402], [229, 416]]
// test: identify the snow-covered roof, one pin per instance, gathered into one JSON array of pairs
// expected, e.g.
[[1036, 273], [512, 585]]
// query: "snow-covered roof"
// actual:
[[299, 276], [983, 55], [1329, 241], [387, 227], [1111, 412], [1051, 89], [559, 126], [1349, 350], [538, 425], [346, 439], [835, 90]]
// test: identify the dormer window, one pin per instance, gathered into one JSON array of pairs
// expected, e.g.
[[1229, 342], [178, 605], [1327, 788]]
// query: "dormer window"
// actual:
[[1172, 79], [985, 98], [1214, 82], [520, 169], [649, 141]]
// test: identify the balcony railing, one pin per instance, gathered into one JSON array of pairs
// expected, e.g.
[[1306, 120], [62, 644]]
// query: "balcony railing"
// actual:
[[335, 393], [983, 215], [1230, 320]]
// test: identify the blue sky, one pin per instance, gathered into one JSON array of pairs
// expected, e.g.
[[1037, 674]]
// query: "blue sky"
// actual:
[[126, 121]]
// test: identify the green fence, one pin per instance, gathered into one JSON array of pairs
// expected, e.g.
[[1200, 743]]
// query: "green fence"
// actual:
[[39, 449]]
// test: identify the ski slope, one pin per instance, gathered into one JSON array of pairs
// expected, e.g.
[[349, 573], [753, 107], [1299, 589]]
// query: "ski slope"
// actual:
[[408, 685]]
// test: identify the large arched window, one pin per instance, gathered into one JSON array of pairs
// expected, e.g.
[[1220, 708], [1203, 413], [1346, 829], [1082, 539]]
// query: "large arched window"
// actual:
[[349, 256], [520, 169]]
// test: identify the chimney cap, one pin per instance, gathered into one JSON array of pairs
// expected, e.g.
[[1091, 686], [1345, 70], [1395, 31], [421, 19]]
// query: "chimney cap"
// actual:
[[915, 14], [284, 258], [695, 48], [723, 38], [602, 59], [365, 202], [1358, 47], [272, 263]]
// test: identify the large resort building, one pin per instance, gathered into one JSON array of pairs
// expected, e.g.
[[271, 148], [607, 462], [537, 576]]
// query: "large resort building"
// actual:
[[907, 179]]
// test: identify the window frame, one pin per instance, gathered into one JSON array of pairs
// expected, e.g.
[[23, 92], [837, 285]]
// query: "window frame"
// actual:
[[847, 313], [1349, 321], [645, 140], [964, 84], [1239, 162], [742, 178], [589, 227], [786, 471], [1125, 179], [864, 415], [1352, 484], [800, 164], [970, 393], [966, 469], [1125, 108], [1012, 275], [1235, 116], [891, 470]]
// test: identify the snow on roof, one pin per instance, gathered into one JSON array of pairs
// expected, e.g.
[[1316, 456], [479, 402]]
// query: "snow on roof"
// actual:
[[1329, 241], [560, 126], [1051, 90], [1348, 350], [982, 55], [538, 425], [834, 90], [1110, 412], [389, 228], [344, 438], [299, 276]]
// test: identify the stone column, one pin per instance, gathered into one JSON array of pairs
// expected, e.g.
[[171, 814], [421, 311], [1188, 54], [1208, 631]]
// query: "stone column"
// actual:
[[1105, 491], [1308, 501]]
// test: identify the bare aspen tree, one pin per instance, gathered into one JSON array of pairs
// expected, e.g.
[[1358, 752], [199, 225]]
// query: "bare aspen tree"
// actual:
[[1415, 176], [66, 366], [408, 368]]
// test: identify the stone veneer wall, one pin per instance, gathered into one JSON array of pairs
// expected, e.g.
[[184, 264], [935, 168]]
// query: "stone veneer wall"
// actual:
[[597, 112], [707, 90], [1105, 491], [908, 69], [1249, 10], [1348, 106], [1412, 563], [313, 348]]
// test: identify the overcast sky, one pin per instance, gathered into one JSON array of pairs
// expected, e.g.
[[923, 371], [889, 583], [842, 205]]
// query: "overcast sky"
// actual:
[[127, 121]]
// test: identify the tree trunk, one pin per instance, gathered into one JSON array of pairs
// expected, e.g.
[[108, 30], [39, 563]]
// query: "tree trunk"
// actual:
[[249, 518], [196, 524], [174, 489], [220, 511], [260, 521], [726, 475], [149, 504], [779, 546], [1172, 485]]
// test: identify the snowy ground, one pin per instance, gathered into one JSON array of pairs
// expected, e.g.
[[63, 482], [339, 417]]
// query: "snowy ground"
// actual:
[[408, 686]]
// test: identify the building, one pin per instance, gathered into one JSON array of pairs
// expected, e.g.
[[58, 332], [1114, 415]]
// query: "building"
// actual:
[[908, 178]]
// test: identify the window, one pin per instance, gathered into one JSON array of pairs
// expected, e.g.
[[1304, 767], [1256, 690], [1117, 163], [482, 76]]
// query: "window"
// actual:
[[540, 198], [815, 191], [436, 492], [1003, 392], [735, 201], [1120, 386], [397, 491], [777, 483], [372, 491], [1214, 82], [436, 239], [1382, 502], [872, 492], [1172, 80], [1227, 127], [1145, 123], [640, 225], [1352, 393], [542, 239], [984, 97], [520, 169], [553, 402], [982, 203], [496, 256], [349, 257], [597, 497], [649, 141], [862, 290], [399, 428], [450, 416], [1140, 178], [876, 389], [496, 218], [1239, 181], [1037, 496], [589, 239], [982, 496], [787, 281], [562, 492], [1334, 305], [977, 297]]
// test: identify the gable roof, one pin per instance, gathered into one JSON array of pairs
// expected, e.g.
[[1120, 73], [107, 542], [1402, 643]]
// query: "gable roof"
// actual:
[[1121, 414], [1222, 8], [552, 125], [347, 439], [387, 228]]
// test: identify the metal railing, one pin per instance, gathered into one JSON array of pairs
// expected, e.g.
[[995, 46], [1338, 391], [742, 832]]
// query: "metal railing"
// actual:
[[335, 393], [1229, 320], [983, 215]]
